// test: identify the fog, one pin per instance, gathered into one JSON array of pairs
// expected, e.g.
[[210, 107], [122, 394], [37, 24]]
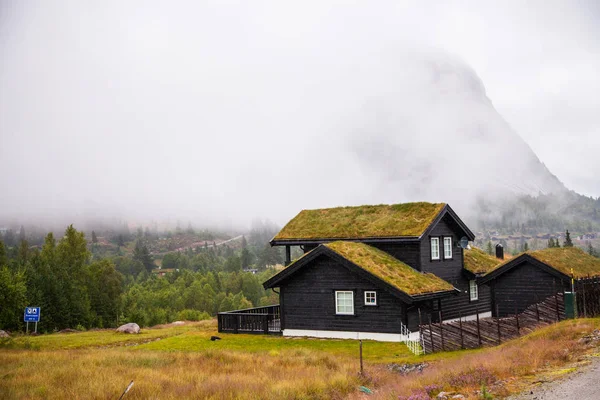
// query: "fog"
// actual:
[[222, 112]]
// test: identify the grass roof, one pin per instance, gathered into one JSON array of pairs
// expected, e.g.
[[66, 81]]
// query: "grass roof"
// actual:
[[408, 219], [389, 269], [479, 262], [565, 258]]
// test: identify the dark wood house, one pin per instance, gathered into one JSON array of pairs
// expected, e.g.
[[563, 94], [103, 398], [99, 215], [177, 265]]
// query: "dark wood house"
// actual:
[[376, 271], [533, 276]]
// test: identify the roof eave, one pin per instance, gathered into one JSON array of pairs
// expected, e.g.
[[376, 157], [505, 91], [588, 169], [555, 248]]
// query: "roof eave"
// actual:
[[299, 241]]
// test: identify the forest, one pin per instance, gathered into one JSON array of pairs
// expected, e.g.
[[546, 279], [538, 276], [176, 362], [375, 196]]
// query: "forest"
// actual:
[[100, 283]]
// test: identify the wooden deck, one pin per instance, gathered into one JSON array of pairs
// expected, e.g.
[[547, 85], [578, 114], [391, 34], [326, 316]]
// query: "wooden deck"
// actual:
[[261, 320]]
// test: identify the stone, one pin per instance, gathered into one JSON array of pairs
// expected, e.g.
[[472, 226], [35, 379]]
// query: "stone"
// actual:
[[3, 334], [131, 327], [177, 323]]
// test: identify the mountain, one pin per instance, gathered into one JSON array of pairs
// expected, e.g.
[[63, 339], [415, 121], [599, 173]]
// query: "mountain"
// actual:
[[435, 135]]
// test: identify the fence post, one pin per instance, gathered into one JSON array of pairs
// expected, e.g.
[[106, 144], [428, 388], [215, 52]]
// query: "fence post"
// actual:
[[361, 360], [537, 310], [266, 323], [462, 341], [498, 323], [517, 319], [478, 331], [557, 313], [431, 335], [441, 331], [236, 326], [584, 305]]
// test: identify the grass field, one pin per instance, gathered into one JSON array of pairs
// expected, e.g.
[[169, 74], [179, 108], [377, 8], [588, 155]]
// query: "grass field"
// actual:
[[182, 362]]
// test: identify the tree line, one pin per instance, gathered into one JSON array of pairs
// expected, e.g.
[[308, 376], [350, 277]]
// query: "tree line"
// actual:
[[76, 289]]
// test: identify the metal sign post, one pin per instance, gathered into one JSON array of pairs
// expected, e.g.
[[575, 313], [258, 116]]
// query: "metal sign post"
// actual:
[[32, 314]]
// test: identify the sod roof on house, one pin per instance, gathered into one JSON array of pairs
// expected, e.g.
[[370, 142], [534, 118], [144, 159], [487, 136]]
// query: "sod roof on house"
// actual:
[[389, 269], [565, 258], [408, 219], [479, 262]]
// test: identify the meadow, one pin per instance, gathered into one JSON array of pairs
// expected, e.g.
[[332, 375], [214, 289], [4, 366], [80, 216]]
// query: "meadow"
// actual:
[[182, 362]]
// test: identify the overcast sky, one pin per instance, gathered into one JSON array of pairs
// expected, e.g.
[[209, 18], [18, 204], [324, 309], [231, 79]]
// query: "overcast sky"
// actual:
[[215, 111]]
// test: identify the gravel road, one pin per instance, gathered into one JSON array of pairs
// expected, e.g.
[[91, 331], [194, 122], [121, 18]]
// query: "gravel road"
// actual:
[[584, 384]]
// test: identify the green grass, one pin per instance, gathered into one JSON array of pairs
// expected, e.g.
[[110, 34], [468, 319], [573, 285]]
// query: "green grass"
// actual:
[[389, 269], [566, 258], [377, 352], [478, 261], [409, 219], [100, 338]]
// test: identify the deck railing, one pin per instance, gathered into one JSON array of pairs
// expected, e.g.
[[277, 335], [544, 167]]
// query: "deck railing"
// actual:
[[266, 320]]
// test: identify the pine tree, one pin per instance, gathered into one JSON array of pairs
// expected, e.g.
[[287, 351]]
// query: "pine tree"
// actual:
[[141, 254], [3, 258], [489, 248], [22, 234], [94, 237], [568, 242], [591, 251]]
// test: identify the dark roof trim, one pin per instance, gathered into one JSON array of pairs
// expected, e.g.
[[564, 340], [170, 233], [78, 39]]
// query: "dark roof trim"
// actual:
[[276, 280], [299, 242], [448, 210], [515, 262]]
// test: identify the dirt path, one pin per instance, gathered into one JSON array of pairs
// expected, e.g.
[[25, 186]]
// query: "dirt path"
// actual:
[[584, 384]]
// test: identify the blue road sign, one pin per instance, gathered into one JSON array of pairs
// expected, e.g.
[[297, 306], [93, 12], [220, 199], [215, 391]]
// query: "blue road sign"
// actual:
[[32, 314]]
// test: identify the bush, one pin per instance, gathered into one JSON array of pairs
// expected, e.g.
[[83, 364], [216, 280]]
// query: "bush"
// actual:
[[192, 315]]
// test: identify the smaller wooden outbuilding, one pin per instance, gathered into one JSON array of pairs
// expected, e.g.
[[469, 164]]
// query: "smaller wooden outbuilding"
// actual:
[[534, 276]]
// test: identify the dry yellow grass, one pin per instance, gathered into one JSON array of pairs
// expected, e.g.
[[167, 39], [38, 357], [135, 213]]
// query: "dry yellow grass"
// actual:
[[503, 370], [95, 374], [389, 269], [408, 219]]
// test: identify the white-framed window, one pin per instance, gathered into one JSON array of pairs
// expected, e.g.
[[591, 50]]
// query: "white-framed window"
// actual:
[[473, 291], [344, 302], [447, 248], [370, 298], [435, 248]]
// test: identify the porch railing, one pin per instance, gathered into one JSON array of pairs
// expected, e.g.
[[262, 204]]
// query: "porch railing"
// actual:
[[265, 320]]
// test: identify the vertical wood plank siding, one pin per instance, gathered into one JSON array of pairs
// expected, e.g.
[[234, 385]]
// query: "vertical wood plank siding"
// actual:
[[523, 286], [308, 301], [452, 272], [408, 253]]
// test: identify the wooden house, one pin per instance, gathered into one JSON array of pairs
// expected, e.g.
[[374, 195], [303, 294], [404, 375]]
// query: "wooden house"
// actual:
[[533, 276], [376, 271]]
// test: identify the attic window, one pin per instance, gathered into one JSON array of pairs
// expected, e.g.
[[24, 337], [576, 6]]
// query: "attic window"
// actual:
[[473, 291], [435, 248], [370, 298], [344, 302], [447, 248]]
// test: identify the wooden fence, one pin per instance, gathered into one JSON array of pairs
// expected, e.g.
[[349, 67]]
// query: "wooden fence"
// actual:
[[490, 331], [265, 320], [588, 296]]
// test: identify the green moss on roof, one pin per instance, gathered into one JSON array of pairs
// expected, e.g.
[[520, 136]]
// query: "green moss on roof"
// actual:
[[389, 269], [478, 261], [408, 219], [565, 258]]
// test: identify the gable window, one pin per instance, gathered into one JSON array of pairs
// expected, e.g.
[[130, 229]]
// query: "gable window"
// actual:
[[447, 248], [435, 248], [370, 298], [344, 302], [473, 291]]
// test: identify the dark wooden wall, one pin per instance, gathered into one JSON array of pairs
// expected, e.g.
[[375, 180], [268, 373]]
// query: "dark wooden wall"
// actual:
[[523, 286], [308, 301], [408, 253], [461, 305], [448, 270]]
